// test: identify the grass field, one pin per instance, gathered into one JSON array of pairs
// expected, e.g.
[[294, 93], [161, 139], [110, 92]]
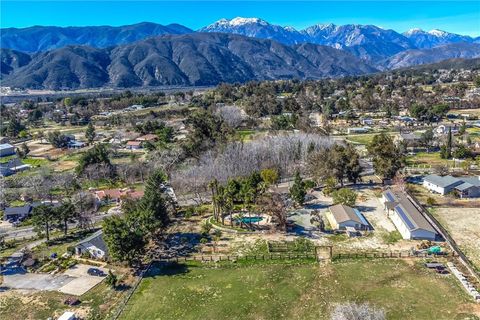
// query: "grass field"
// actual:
[[305, 290], [427, 158], [360, 138]]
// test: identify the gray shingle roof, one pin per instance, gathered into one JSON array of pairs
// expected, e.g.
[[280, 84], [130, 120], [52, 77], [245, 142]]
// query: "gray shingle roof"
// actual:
[[96, 240]]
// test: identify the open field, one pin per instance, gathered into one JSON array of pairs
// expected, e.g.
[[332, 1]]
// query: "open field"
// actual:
[[428, 158], [463, 224], [296, 291]]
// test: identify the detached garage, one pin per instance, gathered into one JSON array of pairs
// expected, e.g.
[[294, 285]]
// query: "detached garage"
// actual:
[[342, 217]]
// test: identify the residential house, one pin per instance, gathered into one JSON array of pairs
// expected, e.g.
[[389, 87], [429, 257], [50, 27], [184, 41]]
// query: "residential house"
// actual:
[[110, 196], [466, 187], [443, 129], [358, 130], [147, 137], [6, 149], [13, 166], [134, 145], [22, 212], [17, 213], [367, 121], [341, 217], [406, 217], [410, 140], [74, 144], [94, 245]]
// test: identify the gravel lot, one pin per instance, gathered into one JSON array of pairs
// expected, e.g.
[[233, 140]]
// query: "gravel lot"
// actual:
[[463, 224]]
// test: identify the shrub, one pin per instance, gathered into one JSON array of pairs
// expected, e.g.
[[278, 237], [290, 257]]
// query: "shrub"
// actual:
[[431, 202]]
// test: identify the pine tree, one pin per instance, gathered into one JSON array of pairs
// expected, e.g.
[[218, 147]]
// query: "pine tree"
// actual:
[[154, 199], [297, 191], [90, 133]]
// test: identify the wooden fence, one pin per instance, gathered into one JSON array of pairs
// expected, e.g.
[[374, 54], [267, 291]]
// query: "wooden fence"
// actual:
[[387, 255], [259, 257], [116, 312]]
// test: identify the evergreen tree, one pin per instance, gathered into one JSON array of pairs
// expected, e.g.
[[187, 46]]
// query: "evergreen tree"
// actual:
[[154, 199], [297, 191], [90, 133], [449, 143], [387, 158], [42, 218], [344, 196], [124, 241], [65, 214]]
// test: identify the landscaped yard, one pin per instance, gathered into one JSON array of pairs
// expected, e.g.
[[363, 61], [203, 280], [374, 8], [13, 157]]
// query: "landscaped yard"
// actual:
[[302, 290]]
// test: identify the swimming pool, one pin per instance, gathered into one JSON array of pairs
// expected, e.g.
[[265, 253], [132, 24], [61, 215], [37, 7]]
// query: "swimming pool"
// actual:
[[250, 219]]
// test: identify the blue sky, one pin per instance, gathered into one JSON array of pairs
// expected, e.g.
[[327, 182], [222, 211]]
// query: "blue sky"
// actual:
[[454, 16]]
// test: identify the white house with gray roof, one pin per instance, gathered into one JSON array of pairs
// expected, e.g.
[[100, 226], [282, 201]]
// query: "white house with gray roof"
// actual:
[[94, 245], [408, 220], [467, 187]]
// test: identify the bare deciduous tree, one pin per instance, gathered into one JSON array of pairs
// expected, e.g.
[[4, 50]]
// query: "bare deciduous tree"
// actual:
[[232, 115], [286, 152], [84, 203]]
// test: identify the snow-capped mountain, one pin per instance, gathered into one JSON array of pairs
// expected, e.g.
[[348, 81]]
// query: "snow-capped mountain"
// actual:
[[366, 41], [371, 43], [433, 38], [256, 28]]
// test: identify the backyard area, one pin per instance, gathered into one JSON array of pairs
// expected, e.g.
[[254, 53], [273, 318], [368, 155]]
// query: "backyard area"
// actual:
[[296, 290]]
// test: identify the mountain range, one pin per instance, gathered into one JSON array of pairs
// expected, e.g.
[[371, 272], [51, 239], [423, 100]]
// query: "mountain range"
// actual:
[[153, 54], [190, 59]]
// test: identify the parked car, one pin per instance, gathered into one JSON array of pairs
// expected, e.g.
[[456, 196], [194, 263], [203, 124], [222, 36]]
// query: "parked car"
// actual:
[[96, 272]]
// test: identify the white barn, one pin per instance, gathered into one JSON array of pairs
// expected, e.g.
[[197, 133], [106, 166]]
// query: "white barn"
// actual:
[[408, 220]]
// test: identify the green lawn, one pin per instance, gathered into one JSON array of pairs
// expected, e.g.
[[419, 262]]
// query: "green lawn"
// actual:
[[35, 162], [427, 158], [360, 138], [295, 291]]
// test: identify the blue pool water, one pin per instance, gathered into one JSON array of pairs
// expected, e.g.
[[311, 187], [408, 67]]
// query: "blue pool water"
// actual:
[[250, 219]]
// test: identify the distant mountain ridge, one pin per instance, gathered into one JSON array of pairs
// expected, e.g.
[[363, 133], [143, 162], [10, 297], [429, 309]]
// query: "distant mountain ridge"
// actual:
[[190, 59], [236, 50], [368, 42], [416, 57], [39, 38], [434, 38]]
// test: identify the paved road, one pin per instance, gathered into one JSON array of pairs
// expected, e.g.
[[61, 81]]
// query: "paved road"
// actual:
[[13, 233]]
